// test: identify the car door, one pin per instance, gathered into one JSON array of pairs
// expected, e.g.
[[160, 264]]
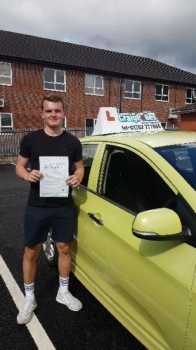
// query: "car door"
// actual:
[[80, 195], [144, 284]]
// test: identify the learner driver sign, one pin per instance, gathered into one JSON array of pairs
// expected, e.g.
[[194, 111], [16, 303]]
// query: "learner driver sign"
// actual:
[[109, 121]]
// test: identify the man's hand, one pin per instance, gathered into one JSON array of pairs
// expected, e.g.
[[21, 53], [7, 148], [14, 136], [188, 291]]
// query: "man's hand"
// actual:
[[73, 180], [34, 176]]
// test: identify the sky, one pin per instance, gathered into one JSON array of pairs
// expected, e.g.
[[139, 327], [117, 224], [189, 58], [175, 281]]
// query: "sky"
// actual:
[[164, 30]]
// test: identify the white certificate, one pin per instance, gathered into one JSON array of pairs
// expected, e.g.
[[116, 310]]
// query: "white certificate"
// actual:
[[55, 171]]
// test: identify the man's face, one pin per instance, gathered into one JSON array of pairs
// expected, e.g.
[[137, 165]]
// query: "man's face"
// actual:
[[53, 113]]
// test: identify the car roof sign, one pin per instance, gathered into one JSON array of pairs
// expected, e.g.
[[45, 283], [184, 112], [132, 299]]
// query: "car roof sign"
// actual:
[[109, 121]]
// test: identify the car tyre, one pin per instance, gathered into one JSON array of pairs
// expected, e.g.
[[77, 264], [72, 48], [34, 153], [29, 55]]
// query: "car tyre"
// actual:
[[50, 250]]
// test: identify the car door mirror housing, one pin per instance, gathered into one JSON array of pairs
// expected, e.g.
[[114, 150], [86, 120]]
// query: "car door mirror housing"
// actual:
[[159, 225]]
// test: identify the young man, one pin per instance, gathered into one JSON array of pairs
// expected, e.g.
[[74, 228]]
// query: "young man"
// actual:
[[44, 212]]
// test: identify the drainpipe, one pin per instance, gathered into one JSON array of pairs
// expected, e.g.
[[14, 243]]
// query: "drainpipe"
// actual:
[[120, 95]]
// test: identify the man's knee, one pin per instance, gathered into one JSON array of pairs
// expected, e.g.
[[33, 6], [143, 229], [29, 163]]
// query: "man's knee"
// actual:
[[63, 248], [31, 253]]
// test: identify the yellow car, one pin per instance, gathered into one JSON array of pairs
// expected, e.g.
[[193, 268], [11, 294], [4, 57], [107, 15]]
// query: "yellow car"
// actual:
[[134, 249]]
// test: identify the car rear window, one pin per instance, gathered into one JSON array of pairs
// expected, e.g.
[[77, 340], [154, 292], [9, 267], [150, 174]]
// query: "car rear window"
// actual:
[[183, 159]]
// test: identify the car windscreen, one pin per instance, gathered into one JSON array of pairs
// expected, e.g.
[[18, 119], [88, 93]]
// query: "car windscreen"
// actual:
[[183, 159]]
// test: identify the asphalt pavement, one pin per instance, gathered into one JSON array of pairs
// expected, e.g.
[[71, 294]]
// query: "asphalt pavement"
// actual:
[[93, 328]]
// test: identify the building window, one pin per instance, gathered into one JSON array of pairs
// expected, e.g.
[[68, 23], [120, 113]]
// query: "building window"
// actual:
[[54, 79], [190, 95], [6, 122], [132, 89], [164, 125], [93, 85], [64, 124], [161, 92], [5, 73], [89, 126]]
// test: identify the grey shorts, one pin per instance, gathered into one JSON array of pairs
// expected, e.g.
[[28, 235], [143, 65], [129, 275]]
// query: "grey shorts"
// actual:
[[39, 220]]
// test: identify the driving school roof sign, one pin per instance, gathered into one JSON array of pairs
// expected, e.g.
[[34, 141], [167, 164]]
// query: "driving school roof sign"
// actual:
[[110, 122]]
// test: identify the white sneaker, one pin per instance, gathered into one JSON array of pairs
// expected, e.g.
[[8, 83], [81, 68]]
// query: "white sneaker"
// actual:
[[69, 300], [26, 313]]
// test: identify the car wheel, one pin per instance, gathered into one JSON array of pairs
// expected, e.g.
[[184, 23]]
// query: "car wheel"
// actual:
[[50, 250]]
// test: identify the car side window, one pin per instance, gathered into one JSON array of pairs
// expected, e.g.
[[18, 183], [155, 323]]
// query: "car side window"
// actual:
[[88, 153], [130, 182]]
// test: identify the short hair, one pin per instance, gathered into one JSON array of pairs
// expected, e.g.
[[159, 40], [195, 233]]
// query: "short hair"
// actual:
[[52, 98]]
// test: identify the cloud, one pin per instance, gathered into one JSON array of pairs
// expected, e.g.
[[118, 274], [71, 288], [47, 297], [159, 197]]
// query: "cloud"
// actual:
[[162, 30]]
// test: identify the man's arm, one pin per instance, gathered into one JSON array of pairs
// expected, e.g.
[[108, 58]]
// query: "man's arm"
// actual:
[[79, 170], [75, 179], [23, 173]]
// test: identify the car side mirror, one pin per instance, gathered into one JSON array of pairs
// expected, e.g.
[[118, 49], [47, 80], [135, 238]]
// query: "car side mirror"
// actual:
[[159, 225]]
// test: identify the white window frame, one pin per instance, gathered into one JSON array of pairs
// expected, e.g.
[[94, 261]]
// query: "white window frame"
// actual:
[[9, 77], [162, 94], [133, 89], [192, 98], [64, 124], [55, 82], [6, 127], [94, 87]]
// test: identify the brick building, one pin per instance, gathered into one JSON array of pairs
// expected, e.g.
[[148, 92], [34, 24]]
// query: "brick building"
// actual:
[[87, 78]]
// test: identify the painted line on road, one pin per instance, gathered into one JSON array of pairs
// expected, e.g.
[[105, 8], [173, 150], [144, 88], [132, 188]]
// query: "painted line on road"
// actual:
[[35, 328]]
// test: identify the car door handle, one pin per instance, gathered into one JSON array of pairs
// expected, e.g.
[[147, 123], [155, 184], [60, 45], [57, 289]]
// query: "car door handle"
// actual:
[[93, 217]]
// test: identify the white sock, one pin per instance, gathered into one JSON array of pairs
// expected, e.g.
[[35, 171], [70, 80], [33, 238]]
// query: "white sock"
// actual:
[[63, 284], [29, 291]]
